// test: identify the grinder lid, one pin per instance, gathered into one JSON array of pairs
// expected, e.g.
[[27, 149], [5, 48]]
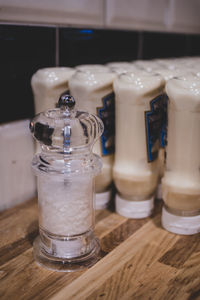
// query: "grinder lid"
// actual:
[[64, 129]]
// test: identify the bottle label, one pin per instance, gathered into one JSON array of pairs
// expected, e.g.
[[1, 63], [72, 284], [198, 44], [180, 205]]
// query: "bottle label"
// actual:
[[163, 138], [154, 125], [107, 115]]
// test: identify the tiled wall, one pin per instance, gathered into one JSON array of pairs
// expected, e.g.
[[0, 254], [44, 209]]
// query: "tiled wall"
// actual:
[[24, 49], [154, 15]]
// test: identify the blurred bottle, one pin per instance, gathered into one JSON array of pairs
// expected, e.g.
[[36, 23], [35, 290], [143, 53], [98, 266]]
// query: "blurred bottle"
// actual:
[[166, 74], [93, 90], [181, 181], [139, 101], [92, 68], [47, 85]]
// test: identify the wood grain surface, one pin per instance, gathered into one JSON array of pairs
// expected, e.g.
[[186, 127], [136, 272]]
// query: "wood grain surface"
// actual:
[[138, 260]]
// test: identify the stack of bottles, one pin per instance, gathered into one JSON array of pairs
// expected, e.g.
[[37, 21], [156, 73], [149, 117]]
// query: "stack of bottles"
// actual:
[[150, 147]]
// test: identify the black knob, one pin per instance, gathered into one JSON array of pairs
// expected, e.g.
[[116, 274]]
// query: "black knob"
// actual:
[[66, 101]]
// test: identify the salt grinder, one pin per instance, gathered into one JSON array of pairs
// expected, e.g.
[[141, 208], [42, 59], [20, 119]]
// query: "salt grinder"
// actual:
[[65, 170]]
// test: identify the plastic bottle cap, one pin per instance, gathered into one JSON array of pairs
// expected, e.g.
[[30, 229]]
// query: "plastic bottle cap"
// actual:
[[180, 224], [102, 199], [134, 209]]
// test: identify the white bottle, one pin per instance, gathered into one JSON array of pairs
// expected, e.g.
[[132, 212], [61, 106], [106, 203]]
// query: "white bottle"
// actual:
[[120, 68], [117, 64], [17, 182], [93, 92], [167, 74], [146, 65], [136, 168], [168, 63], [181, 181], [47, 85], [92, 68]]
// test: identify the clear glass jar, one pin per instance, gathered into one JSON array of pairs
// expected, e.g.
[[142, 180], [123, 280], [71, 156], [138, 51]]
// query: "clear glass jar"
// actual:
[[65, 171]]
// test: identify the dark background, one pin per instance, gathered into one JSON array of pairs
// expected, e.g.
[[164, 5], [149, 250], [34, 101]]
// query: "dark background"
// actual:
[[25, 49]]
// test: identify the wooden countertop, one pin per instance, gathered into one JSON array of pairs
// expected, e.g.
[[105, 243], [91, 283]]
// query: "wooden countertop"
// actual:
[[138, 260]]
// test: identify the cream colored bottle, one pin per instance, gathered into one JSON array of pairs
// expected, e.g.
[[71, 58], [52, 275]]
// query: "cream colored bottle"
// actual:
[[92, 68], [136, 167], [17, 182], [47, 85], [146, 65], [93, 91], [166, 74], [120, 68], [118, 64], [181, 181]]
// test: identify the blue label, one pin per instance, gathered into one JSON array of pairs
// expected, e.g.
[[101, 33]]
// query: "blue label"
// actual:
[[154, 126], [107, 115], [163, 138]]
